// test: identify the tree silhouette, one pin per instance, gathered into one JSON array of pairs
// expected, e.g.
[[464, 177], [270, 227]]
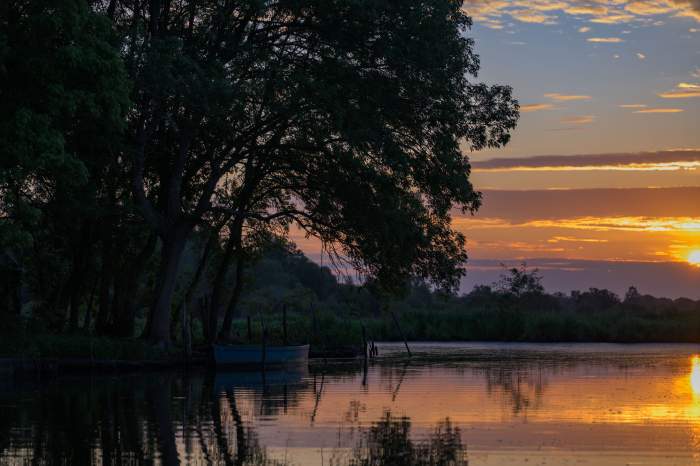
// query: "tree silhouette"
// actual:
[[343, 117]]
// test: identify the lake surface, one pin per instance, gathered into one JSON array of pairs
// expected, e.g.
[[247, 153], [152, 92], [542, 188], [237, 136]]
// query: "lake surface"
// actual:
[[459, 404]]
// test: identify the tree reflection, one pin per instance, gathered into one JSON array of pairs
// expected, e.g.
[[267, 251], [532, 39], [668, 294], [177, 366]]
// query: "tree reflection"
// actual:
[[523, 386], [162, 419], [388, 442]]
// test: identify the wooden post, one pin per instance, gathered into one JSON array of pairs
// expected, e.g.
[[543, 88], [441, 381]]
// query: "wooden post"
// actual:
[[364, 352], [250, 330], [364, 342], [405, 342], [264, 342], [315, 322], [284, 324]]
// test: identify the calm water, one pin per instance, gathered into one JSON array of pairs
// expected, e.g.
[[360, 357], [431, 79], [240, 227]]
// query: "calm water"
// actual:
[[476, 404]]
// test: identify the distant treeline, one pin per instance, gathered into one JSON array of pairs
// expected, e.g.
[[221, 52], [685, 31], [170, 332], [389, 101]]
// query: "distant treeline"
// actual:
[[515, 308], [328, 312]]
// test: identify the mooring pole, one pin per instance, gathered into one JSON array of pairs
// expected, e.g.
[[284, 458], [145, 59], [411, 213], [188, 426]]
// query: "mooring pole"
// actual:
[[264, 343], [398, 326], [364, 354], [364, 343], [315, 322], [284, 323]]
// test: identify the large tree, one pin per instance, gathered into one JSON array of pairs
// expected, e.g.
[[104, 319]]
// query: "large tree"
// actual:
[[347, 117], [63, 97]]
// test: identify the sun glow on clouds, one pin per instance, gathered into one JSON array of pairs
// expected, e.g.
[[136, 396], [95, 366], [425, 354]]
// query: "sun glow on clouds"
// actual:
[[566, 98], [660, 110], [578, 120], [667, 166], [694, 257], [682, 91], [620, 223], [497, 13], [535, 107], [656, 224]]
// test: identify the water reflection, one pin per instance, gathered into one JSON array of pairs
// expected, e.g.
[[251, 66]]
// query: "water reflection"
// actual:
[[695, 375], [388, 442], [508, 408]]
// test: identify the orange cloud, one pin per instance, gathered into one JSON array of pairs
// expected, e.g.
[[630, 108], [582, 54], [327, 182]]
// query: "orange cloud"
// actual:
[[658, 224], [535, 107], [645, 8], [532, 16], [566, 98], [492, 12], [578, 120], [571, 239], [660, 110], [682, 91]]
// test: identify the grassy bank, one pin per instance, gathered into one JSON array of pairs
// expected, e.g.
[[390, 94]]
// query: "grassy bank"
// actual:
[[622, 326], [329, 330], [20, 342]]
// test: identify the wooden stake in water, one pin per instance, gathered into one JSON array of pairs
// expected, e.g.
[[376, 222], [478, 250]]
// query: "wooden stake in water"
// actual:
[[405, 342], [364, 352], [364, 343], [284, 324], [264, 343]]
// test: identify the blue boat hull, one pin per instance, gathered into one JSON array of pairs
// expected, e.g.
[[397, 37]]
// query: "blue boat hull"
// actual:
[[250, 355]]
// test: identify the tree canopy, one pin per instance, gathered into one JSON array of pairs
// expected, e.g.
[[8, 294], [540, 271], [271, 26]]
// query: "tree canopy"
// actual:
[[344, 117], [347, 118]]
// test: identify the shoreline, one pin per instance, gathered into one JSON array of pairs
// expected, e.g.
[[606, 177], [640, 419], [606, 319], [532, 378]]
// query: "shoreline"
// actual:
[[27, 367]]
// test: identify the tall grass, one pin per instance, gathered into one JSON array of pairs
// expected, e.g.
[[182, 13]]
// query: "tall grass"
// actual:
[[615, 325]]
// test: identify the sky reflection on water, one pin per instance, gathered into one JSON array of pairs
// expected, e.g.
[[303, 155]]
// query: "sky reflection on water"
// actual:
[[485, 404]]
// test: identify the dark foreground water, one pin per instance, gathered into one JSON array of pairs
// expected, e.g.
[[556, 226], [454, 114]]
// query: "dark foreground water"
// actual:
[[476, 404]]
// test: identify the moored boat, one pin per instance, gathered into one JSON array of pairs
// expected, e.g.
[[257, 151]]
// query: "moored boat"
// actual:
[[250, 355]]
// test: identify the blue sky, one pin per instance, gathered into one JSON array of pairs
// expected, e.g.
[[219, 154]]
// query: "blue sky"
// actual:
[[547, 54]]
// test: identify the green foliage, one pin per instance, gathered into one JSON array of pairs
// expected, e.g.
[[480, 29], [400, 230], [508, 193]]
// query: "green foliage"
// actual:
[[63, 98], [63, 94], [34, 345]]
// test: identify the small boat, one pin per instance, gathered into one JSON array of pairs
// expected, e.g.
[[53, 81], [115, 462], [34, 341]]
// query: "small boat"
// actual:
[[252, 355]]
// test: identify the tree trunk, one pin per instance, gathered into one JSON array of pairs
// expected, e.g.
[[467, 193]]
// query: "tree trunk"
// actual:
[[233, 302], [234, 246], [171, 253], [188, 299], [128, 291], [81, 257], [186, 332], [88, 310], [218, 288], [106, 278]]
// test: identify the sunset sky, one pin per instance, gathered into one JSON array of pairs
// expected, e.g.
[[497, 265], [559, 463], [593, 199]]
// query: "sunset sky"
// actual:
[[600, 185]]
